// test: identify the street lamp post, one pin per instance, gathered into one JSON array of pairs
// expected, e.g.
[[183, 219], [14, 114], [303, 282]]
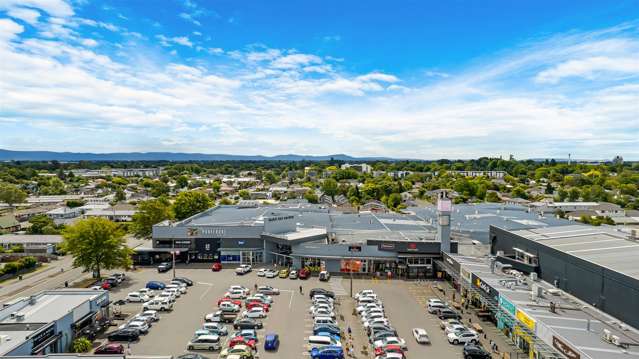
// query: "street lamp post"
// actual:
[[173, 253]]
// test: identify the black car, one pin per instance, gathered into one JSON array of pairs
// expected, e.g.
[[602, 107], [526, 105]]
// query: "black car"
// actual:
[[316, 291], [165, 267], [188, 282], [247, 324], [113, 282], [472, 351], [124, 335], [448, 314], [379, 327]]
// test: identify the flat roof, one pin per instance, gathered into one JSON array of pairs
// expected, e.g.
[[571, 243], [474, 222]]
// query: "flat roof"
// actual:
[[571, 320], [602, 245], [30, 238]]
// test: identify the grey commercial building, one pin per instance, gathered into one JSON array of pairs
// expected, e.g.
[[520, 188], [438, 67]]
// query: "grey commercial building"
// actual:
[[596, 264], [48, 322]]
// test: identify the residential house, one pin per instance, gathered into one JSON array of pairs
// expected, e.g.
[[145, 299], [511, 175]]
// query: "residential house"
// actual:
[[9, 224]]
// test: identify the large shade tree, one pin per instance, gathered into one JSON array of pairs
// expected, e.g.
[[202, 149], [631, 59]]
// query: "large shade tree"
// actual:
[[149, 213], [97, 244], [190, 203], [11, 194]]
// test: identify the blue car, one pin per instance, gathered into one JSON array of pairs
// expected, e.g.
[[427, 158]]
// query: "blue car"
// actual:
[[331, 329], [271, 341], [327, 352], [330, 335], [155, 285]]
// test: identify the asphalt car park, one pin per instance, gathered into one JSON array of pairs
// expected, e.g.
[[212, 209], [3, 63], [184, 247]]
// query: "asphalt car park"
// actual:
[[288, 316]]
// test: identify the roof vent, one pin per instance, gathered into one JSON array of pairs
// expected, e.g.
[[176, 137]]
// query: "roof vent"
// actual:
[[32, 300], [19, 317]]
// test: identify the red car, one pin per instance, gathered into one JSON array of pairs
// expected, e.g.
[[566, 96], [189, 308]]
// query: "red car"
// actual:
[[252, 305], [391, 348], [216, 267], [304, 273], [106, 285], [111, 348], [242, 341], [227, 299]]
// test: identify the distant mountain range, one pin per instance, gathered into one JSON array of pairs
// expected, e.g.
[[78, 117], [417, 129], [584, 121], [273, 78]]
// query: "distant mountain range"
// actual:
[[7, 155]]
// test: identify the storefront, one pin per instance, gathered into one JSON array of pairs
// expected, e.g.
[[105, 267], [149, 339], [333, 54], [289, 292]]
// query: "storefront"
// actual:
[[523, 340], [505, 316]]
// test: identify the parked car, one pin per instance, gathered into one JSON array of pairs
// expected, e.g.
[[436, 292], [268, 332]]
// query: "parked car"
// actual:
[[114, 282], [137, 297], [267, 289], [216, 327], [448, 314], [435, 307], [389, 349], [124, 335], [324, 276], [165, 267], [254, 313], [327, 352], [261, 272], [250, 342], [326, 328], [155, 285], [304, 273], [146, 291], [215, 317], [228, 307], [110, 348], [141, 325], [271, 341], [227, 299], [242, 350], [271, 273], [390, 341], [283, 273], [243, 269], [216, 267], [472, 351], [152, 314], [191, 356], [247, 323], [447, 322], [157, 304], [313, 292], [421, 336], [247, 333], [228, 317], [205, 342], [292, 274], [235, 294], [184, 280], [463, 337], [105, 285]]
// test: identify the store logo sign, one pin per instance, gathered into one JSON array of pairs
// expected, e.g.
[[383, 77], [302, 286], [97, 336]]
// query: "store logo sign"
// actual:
[[412, 246], [507, 305], [564, 349], [525, 319], [388, 246]]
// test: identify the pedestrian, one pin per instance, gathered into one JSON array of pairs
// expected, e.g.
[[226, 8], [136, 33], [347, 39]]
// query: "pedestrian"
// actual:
[[301, 289], [66, 284], [349, 331], [351, 352], [255, 286], [128, 349]]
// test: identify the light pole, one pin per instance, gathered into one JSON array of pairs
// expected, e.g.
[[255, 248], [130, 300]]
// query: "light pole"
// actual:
[[173, 253]]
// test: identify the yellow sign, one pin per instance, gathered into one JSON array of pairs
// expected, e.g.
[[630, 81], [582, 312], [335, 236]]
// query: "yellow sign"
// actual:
[[525, 319]]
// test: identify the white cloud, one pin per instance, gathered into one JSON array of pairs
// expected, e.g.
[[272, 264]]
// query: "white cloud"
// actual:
[[27, 15], [9, 30], [58, 8], [190, 18], [89, 42], [295, 60], [168, 41], [183, 40], [589, 68]]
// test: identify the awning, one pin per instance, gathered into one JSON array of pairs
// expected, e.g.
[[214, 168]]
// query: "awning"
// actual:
[[45, 344], [82, 322]]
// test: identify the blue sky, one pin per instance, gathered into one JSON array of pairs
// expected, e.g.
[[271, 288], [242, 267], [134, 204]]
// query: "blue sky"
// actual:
[[416, 79]]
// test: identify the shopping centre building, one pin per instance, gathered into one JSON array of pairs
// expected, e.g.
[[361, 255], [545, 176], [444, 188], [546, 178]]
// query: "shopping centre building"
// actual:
[[316, 236]]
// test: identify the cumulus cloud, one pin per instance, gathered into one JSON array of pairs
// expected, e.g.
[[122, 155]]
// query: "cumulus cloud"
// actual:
[[9, 29], [27, 15], [59, 8], [590, 68]]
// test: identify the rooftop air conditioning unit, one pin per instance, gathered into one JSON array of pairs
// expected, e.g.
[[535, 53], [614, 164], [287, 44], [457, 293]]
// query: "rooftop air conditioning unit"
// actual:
[[534, 276], [554, 291], [615, 340], [19, 316]]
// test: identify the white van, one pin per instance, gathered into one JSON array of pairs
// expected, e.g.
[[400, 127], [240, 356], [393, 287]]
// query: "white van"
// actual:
[[205, 342], [324, 320], [320, 341]]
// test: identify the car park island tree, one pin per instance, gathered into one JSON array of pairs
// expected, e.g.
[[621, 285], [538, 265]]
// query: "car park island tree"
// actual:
[[96, 244]]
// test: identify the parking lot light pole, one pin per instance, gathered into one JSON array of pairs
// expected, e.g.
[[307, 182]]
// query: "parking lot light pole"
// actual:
[[173, 253]]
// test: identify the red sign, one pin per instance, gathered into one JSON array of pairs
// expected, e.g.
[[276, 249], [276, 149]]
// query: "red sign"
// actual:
[[412, 246]]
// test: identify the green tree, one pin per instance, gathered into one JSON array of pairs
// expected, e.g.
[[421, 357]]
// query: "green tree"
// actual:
[[41, 224], [394, 200], [54, 186], [149, 213], [182, 181], [573, 194], [159, 189], [492, 197], [329, 187], [311, 197], [190, 203], [81, 345], [73, 203], [120, 195], [11, 194], [225, 201], [96, 244], [244, 194]]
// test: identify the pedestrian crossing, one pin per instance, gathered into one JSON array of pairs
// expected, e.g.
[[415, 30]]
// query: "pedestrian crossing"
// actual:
[[336, 286]]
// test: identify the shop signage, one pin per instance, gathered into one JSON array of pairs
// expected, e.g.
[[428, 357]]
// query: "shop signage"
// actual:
[[43, 335], [525, 319], [484, 287], [507, 305], [240, 243], [387, 246], [453, 263], [281, 218], [182, 243], [564, 348], [466, 275], [411, 246]]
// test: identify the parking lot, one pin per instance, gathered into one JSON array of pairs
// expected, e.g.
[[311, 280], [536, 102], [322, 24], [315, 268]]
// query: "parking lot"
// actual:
[[288, 316]]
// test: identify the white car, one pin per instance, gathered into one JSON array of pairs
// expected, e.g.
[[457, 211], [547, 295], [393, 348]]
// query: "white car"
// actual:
[[147, 291], [242, 269], [177, 285], [239, 287], [176, 291], [261, 272], [264, 297], [463, 337], [205, 342], [323, 313], [153, 314], [368, 306], [266, 290], [235, 294], [454, 328], [421, 336], [137, 297], [390, 356], [364, 293], [433, 308], [315, 308], [255, 312], [322, 297], [447, 322], [372, 316], [213, 317], [157, 304], [166, 296], [140, 325], [229, 307], [391, 341], [270, 273], [376, 321], [434, 300]]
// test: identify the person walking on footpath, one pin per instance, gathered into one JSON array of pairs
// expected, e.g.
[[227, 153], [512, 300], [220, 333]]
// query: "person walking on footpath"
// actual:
[[301, 290]]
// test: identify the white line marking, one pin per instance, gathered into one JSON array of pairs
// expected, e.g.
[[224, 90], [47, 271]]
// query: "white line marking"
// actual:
[[204, 283], [205, 292], [290, 303]]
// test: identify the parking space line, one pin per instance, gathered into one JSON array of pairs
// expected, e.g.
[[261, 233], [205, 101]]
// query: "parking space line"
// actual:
[[206, 292]]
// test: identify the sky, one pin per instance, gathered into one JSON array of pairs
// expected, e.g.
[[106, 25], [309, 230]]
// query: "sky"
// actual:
[[404, 79]]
